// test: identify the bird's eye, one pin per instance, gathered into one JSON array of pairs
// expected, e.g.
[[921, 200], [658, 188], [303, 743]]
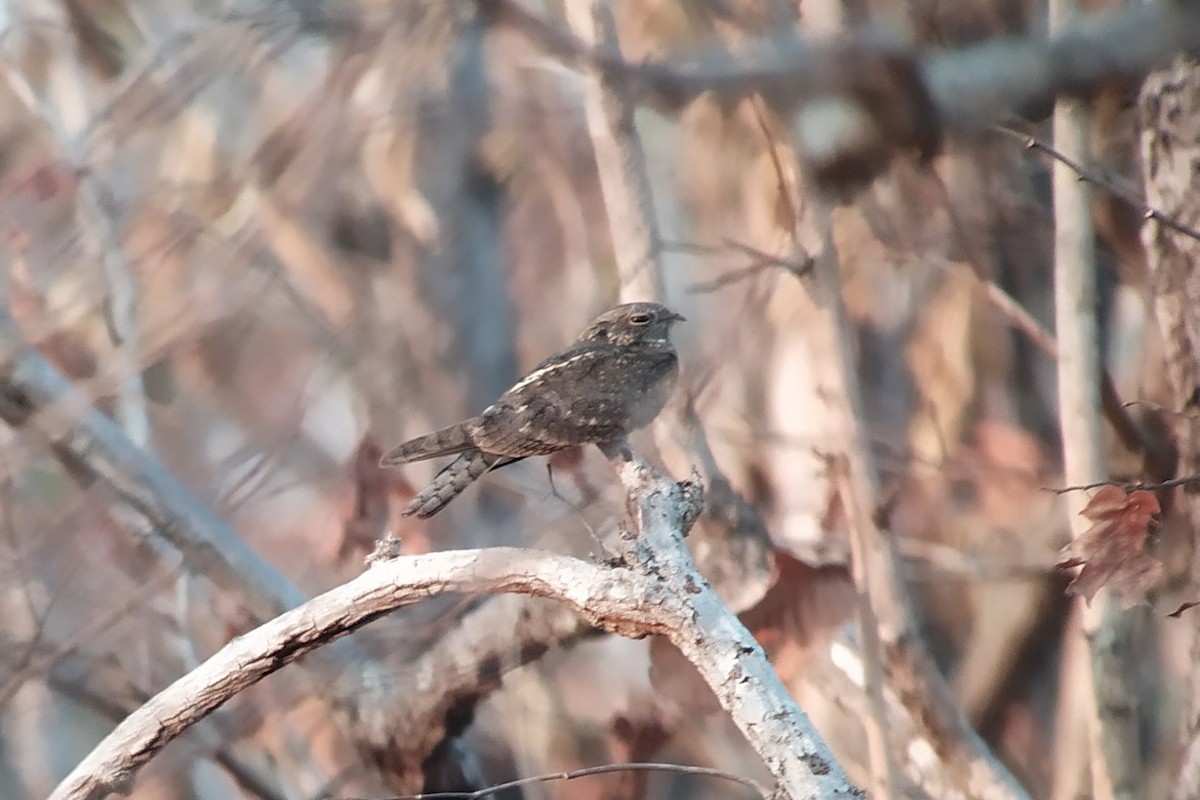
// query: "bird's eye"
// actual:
[[639, 319]]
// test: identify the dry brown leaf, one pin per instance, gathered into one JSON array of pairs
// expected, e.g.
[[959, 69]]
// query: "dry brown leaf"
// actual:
[[1112, 551]]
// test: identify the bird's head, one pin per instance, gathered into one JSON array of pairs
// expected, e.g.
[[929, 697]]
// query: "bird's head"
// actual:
[[633, 323]]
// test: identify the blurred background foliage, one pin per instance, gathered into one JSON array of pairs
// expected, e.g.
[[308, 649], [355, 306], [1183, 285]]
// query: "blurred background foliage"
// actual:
[[271, 238]]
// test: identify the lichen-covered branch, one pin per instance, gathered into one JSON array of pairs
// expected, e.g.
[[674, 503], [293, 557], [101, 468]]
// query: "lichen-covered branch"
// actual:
[[659, 591]]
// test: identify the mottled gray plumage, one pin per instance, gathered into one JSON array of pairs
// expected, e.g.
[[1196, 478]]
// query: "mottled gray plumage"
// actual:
[[613, 380]]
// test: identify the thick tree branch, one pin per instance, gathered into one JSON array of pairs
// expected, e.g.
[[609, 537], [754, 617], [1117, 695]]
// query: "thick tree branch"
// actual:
[[660, 593], [712, 638], [387, 586]]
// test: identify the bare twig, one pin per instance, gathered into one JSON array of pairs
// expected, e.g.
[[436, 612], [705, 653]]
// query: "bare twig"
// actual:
[[1129, 196], [1132, 436], [41, 662], [585, 772], [1022, 319], [1127, 486], [761, 261]]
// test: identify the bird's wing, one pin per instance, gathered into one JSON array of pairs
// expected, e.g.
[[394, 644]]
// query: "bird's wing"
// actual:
[[564, 402]]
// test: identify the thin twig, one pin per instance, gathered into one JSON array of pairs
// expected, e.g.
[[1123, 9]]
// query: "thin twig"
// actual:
[[761, 262], [1127, 486], [578, 509], [1010, 307], [1131, 435], [42, 661], [1123, 193], [603, 769]]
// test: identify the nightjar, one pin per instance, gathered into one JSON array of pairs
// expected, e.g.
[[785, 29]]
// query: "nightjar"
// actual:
[[613, 380]]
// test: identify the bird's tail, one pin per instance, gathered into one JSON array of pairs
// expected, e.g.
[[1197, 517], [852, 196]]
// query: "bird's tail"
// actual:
[[450, 482], [439, 443]]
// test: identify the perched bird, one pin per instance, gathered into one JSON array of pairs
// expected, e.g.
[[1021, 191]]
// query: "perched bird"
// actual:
[[613, 380]]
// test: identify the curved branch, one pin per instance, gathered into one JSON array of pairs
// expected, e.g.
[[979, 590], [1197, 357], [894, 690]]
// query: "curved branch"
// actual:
[[660, 593], [607, 597]]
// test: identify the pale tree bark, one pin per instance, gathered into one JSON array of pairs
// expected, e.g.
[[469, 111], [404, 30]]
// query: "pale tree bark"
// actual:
[[1113, 741], [1169, 108], [620, 160], [659, 592]]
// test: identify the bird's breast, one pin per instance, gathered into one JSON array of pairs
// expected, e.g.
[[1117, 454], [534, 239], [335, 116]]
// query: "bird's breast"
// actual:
[[648, 396]]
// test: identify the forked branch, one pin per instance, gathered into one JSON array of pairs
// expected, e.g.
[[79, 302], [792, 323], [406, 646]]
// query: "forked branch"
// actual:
[[658, 591]]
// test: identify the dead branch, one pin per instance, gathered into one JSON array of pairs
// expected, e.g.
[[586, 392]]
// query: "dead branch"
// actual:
[[249, 658], [710, 636], [660, 593]]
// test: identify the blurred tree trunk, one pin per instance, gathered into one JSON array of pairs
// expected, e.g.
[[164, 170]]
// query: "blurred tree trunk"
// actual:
[[1115, 757], [467, 277], [1170, 115]]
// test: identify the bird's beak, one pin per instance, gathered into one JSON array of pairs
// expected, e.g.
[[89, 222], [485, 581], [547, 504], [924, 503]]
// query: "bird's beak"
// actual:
[[675, 317]]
